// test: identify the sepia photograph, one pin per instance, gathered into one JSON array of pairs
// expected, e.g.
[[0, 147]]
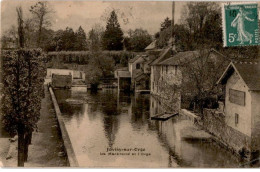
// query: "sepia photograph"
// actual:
[[129, 84]]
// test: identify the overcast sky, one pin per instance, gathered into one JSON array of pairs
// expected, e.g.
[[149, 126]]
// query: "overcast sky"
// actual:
[[146, 15]]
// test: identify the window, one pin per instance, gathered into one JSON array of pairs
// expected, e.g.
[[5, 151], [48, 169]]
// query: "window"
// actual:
[[138, 66], [237, 97], [175, 67], [166, 69], [236, 119]]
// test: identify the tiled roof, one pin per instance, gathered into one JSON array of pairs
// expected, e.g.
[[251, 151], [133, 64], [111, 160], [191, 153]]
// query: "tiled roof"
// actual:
[[163, 55], [249, 70], [180, 58]]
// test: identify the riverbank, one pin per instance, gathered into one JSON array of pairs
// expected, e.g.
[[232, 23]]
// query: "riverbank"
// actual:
[[47, 148]]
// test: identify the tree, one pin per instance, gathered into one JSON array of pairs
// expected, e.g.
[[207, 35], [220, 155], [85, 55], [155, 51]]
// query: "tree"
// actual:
[[23, 78], [20, 26], [201, 19], [95, 37], [202, 74], [100, 66], [165, 24], [113, 35], [138, 40], [9, 38], [23, 73], [81, 40], [41, 13]]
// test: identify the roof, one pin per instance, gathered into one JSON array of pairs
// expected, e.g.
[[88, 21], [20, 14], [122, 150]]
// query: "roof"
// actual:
[[163, 55], [185, 57], [141, 76], [248, 70], [123, 74], [151, 46], [122, 69], [135, 58], [180, 58]]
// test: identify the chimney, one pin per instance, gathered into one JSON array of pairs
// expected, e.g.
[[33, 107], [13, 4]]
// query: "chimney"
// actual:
[[172, 27]]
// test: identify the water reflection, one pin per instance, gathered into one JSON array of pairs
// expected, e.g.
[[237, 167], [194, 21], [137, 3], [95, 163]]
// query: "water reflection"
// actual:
[[111, 120]]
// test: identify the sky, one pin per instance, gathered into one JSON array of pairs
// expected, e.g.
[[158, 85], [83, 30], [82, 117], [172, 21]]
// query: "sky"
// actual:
[[147, 15]]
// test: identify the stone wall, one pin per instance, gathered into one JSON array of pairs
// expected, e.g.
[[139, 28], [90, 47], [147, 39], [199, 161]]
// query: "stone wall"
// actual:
[[168, 86], [214, 123]]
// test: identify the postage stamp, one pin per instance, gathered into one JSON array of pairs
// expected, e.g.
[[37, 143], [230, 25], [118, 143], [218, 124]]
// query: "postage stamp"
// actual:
[[240, 24]]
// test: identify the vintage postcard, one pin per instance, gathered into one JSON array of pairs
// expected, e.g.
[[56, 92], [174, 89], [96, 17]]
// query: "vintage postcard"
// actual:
[[130, 84]]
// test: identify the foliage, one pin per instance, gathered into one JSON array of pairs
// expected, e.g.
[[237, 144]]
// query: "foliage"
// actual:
[[202, 74], [165, 24], [23, 73], [200, 27], [41, 16], [81, 40], [163, 38], [138, 40], [113, 35], [59, 59], [100, 66], [95, 37], [67, 40]]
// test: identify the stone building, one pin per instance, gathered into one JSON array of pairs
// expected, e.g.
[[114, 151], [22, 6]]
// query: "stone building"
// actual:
[[76, 75], [242, 98], [170, 74]]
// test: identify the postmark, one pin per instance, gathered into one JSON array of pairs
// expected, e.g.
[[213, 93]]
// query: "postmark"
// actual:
[[240, 24]]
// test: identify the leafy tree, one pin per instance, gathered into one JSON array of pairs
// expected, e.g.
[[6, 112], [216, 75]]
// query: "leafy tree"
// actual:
[[202, 74], [41, 15], [113, 35], [81, 40], [200, 19], [95, 37], [68, 39], [165, 24], [9, 38], [138, 40], [200, 27], [100, 66], [164, 36]]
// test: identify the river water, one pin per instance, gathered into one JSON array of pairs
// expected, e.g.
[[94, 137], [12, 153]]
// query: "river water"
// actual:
[[108, 129]]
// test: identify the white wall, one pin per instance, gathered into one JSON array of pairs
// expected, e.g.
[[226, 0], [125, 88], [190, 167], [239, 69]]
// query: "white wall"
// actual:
[[244, 124], [75, 74], [255, 110]]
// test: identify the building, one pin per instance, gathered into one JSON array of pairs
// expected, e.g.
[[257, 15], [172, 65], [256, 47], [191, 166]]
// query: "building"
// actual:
[[136, 64], [77, 76], [137, 74], [124, 79], [242, 96], [170, 74], [238, 126]]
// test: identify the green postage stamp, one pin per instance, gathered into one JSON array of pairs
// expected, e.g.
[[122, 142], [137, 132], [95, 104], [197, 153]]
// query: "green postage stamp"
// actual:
[[240, 24]]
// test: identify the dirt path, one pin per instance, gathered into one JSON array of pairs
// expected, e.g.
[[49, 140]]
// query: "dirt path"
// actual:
[[47, 148]]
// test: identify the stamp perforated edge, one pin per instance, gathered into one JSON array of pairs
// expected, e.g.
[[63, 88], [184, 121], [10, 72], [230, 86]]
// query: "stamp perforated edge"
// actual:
[[224, 36]]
